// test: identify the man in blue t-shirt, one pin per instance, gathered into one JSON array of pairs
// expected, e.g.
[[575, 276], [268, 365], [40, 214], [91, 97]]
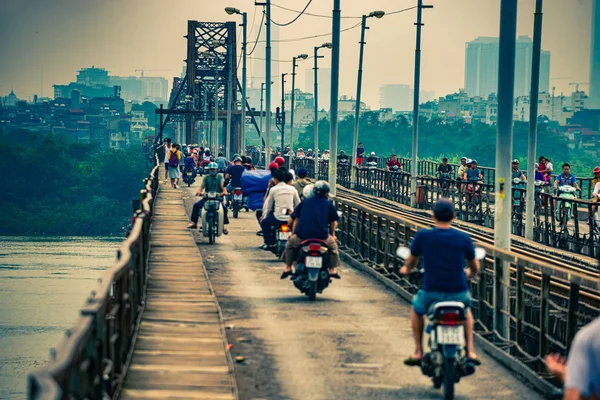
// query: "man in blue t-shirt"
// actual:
[[565, 179], [314, 218], [444, 251], [234, 173]]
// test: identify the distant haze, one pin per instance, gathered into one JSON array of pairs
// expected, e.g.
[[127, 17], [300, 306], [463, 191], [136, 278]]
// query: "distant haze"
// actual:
[[62, 36]]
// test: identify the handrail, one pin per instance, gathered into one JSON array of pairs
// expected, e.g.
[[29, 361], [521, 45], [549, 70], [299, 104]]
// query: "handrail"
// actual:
[[548, 302], [92, 360]]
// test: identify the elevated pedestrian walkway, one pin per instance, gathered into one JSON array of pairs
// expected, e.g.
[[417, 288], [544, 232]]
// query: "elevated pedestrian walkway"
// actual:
[[180, 352]]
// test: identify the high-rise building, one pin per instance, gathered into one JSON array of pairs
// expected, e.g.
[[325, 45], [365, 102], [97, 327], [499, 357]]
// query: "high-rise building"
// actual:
[[481, 67], [398, 97], [594, 99], [93, 77], [324, 80]]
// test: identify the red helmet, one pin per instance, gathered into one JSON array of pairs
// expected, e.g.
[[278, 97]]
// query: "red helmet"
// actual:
[[279, 161], [596, 170], [273, 166]]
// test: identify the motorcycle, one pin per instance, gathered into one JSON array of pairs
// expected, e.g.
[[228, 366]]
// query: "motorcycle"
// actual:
[[189, 176], [237, 201], [474, 192], [212, 217], [518, 195], [312, 274], [446, 361], [564, 207], [282, 234], [444, 182]]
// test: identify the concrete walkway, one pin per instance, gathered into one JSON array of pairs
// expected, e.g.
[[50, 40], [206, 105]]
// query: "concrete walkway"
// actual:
[[180, 351]]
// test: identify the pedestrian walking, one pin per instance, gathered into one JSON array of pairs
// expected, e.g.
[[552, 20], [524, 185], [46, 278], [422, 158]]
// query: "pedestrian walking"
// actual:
[[174, 158]]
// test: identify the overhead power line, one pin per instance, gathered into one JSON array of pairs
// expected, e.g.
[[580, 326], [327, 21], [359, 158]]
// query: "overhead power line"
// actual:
[[300, 13], [329, 16], [313, 36], [258, 35]]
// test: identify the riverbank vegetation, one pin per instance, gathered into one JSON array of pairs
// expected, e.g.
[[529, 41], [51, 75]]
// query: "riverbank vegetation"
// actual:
[[54, 186]]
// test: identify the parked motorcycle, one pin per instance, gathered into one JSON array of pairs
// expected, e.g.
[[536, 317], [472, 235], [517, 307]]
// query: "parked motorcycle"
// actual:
[[446, 361], [212, 217], [312, 274], [564, 207]]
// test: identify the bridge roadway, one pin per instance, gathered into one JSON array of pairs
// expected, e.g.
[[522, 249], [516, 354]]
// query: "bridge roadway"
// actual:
[[349, 344]]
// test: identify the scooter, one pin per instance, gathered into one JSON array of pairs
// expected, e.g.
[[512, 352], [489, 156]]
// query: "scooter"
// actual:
[[564, 207], [446, 361], [444, 182], [518, 200], [312, 274], [189, 175], [212, 217]]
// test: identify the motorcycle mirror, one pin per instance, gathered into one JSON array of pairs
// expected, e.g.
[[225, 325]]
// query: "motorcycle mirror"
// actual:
[[340, 214], [403, 252], [480, 253], [285, 211]]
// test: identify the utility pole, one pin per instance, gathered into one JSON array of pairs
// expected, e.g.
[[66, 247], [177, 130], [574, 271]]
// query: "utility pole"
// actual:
[[364, 27], [267, 3], [262, 88], [415, 135], [333, 109], [316, 103], [215, 136], [504, 145], [230, 103], [533, 114], [301, 57]]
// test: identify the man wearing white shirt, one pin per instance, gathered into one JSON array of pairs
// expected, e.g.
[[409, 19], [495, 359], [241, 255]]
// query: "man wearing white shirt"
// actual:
[[280, 203]]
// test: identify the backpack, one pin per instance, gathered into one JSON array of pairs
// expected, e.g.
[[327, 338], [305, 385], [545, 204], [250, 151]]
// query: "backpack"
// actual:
[[173, 159]]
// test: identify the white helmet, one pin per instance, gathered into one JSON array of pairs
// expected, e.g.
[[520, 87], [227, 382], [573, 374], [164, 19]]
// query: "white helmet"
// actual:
[[372, 154], [307, 191], [309, 149]]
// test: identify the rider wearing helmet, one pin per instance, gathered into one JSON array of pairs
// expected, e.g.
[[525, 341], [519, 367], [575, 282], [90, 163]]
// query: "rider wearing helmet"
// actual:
[[310, 154], [279, 161], [213, 182], [314, 218], [472, 174], [371, 158], [279, 204], [516, 172], [444, 251], [234, 174]]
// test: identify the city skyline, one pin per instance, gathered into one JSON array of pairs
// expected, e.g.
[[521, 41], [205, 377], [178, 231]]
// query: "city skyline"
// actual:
[[60, 52]]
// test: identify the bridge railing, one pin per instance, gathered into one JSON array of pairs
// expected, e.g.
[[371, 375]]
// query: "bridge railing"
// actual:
[[548, 303], [93, 358]]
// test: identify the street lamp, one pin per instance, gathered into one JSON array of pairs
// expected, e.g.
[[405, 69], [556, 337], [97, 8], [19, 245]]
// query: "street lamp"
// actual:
[[282, 114], [335, 91], [376, 14], [262, 88], [231, 11], [316, 101], [298, 57]]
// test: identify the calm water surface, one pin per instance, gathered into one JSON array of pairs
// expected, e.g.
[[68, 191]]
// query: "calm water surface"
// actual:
[[43, 283]]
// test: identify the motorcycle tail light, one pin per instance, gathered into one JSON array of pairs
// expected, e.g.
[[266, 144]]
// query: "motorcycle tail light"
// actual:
[[237, 192], [315, 247], [284, 228], [450, 318]]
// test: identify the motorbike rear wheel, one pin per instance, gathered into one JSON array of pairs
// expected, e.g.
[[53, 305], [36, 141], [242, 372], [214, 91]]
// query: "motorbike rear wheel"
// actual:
[[449, 378], [312, 290], [235, 212]]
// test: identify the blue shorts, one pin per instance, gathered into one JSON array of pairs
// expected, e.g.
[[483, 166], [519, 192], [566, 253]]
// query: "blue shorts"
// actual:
[[423, 300]]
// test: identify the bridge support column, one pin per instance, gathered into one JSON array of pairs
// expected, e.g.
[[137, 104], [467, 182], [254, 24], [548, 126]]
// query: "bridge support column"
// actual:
[[504, 145]]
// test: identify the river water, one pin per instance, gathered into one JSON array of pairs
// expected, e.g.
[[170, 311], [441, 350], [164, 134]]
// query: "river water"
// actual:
[[43, 283]]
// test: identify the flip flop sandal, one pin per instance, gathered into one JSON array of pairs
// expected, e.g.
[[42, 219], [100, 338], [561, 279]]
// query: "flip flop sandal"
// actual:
[[413, 362]]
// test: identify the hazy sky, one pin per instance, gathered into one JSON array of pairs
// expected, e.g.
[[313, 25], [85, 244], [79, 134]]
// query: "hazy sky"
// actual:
[[123, 35]]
